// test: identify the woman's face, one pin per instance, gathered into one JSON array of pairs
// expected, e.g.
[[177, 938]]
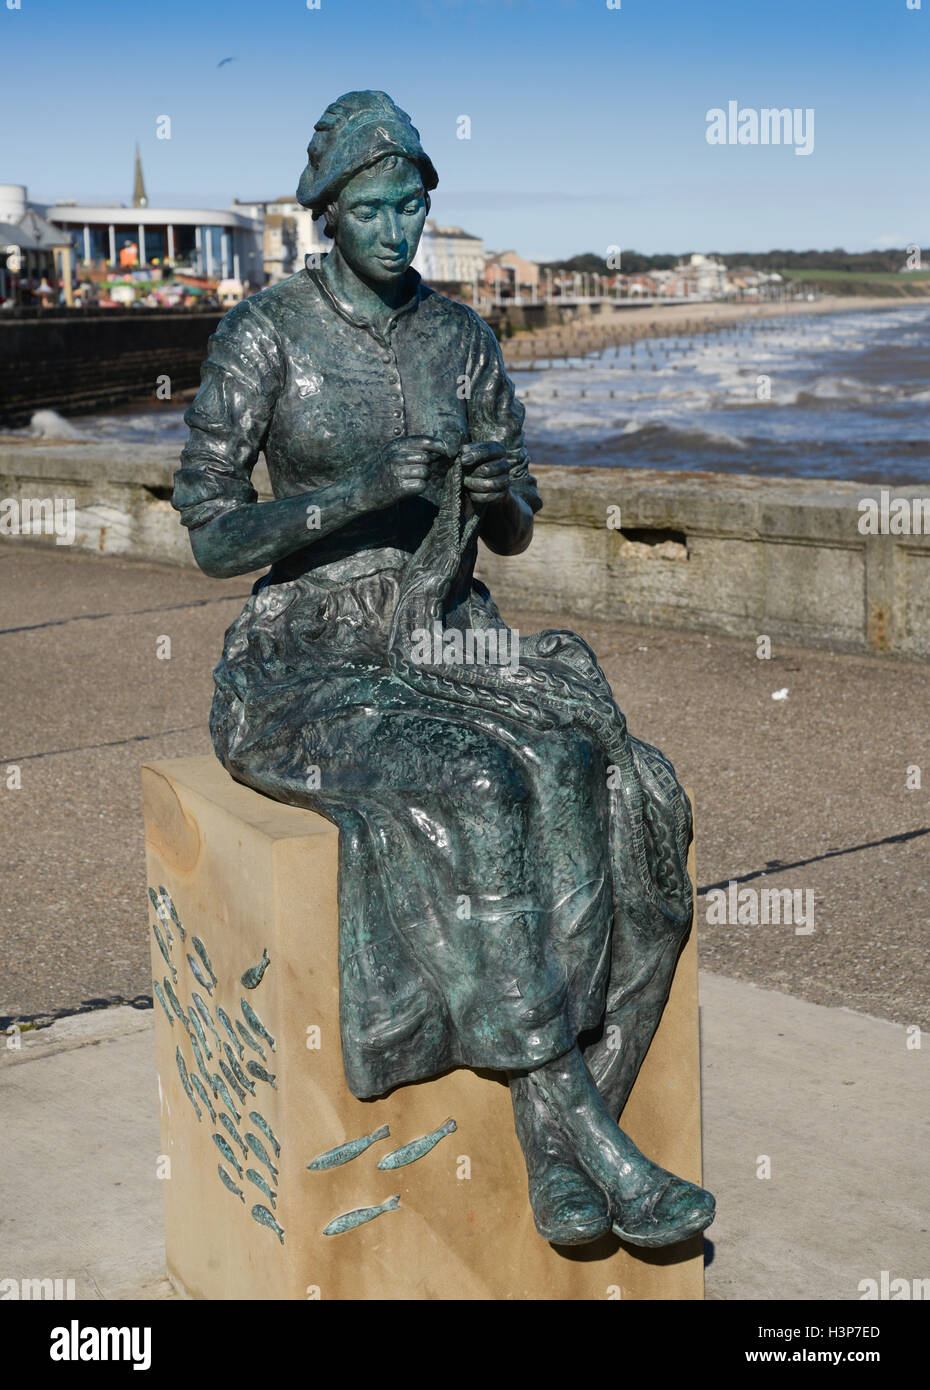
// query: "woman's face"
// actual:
[[380, 215]]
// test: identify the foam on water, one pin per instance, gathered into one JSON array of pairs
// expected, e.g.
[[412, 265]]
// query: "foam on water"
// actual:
[[832, 395]]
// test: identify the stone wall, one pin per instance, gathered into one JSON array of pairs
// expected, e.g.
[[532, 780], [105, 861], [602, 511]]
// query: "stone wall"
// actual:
[[704, 551]]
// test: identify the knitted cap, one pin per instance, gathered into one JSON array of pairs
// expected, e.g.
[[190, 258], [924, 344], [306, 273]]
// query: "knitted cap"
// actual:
[[353, 132]]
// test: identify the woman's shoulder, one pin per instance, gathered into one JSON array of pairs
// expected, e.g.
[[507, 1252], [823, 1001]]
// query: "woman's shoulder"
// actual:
[[455, 314], [275, 304]]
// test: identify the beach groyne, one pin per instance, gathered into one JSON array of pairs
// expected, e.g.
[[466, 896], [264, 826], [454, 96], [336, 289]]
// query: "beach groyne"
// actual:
[[75, 362], [711, 552]]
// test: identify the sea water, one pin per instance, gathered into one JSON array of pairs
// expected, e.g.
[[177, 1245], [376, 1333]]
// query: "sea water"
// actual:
[[841, 395]]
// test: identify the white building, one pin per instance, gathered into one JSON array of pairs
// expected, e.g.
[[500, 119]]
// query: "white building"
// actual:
[[290, 234], [200, 240], [447, 255]]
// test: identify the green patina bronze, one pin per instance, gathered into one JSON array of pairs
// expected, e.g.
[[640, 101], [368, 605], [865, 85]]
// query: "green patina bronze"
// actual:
[[513, 889]]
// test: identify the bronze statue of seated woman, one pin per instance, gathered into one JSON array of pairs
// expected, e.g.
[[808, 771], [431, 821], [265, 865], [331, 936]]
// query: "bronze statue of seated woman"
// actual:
[[513, 889]]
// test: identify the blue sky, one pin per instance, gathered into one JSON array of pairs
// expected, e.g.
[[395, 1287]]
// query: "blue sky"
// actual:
[[587, 123]]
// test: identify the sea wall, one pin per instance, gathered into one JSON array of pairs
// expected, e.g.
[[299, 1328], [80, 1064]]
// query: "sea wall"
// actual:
[[74, 361], [710, 552]]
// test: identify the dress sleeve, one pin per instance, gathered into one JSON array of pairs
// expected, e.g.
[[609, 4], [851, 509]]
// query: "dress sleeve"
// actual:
[[494, 411], [229, 417]]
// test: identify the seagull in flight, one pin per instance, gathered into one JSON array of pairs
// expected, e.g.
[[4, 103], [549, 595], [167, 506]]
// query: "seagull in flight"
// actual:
[[223, 61]]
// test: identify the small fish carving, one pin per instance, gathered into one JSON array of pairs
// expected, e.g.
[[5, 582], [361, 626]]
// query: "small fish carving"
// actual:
[[233, 1133], [164, 950], [201, 950], [205, 1018], [185, 1082], [237, 1071], [228, 1182], [350, 1219], [253, 978], [166, 901], [249, 1041], [226, 1021], [198, 1029], [258, 1150], [162, 1001], [227, 1152], [255, 1023], [264, 1218], [198, 974], [220, 1090], [417, 1147], [260, 1074], [175, 1001], [266, 1129], [232, 1081], [332, 1158], [201, 1064], [201, 1090], [260, 1183]]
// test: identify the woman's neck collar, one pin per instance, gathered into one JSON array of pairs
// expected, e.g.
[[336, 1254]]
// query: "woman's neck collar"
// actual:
[[362, 298]]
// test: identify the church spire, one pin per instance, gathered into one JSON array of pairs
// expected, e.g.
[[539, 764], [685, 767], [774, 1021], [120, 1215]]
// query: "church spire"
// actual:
[[139, 200]]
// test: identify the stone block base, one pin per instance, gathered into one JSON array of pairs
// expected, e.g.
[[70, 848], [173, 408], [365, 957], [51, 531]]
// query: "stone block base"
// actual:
[[245, 875]]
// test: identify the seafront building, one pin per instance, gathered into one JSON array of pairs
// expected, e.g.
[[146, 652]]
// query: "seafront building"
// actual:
[[158, 257], [449, 256], [289, 234], [33, 251]]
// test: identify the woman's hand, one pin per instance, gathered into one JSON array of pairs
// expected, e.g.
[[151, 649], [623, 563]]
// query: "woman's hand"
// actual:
[[403, 468], [486, 472]]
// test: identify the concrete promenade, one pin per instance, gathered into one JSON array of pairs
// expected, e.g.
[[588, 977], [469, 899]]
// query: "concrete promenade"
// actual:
[[805, 1034], [835, 1101], [807, 793]]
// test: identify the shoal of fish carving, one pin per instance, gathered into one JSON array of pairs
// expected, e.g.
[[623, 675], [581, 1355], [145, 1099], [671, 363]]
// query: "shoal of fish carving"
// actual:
[[258, 1150], [201, 1090], [175, 1001], [166, 902], [233, 1133], [255, 1023], [260, 1074], [198, 974], [226, 1021], [266, 1129], [264, 1218], [227, 1152], [253, 977], [417, 1147], [164, 951], [260, 1183], [333, 1158], [350, 1219], [201, 950], [205, 1018], [185, 1081], [225, 1097], [249, 1041], [162, 1001], [228, 1182]]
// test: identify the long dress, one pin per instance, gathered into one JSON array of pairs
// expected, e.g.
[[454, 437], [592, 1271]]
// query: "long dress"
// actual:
[[512, 862]]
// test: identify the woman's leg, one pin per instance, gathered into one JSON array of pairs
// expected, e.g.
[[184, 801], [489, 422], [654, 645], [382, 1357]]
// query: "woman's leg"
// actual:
[[568, 1206], [649, 1206]]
